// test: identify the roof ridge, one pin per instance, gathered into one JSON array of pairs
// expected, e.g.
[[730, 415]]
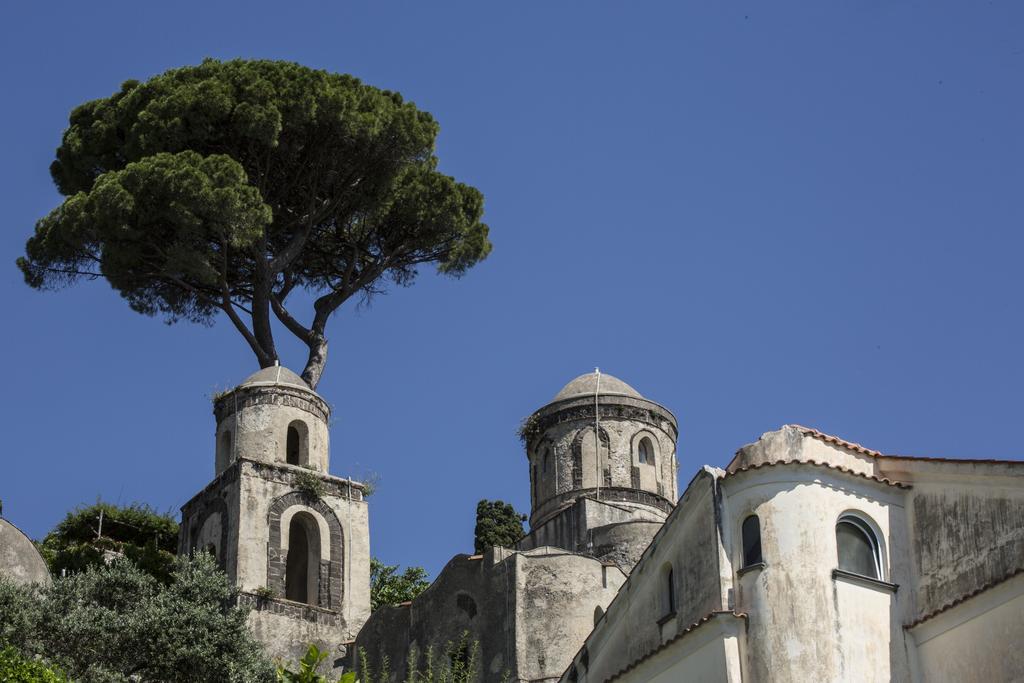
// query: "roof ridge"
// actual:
[[815, 463], [835, 440]]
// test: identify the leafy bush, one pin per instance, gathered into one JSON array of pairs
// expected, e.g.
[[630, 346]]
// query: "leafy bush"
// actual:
[[16, 669], [388, 587], [116, 623], [308, 666], [149, 539]]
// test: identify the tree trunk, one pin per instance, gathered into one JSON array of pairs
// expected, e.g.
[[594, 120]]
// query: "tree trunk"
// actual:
[[317, 360]]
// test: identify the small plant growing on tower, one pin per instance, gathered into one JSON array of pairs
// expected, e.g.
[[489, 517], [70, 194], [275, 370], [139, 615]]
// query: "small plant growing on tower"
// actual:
[[264, 593], [529, 428], [309, 483]]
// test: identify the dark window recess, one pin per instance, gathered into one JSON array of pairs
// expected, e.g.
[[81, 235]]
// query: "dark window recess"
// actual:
[[296, 574], [858, 548], [292, 449], [466, 604], [670, 591], [752, 541], [607, 476]]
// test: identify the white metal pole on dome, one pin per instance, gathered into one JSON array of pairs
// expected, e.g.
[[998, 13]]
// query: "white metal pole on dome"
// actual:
[[597, 430]]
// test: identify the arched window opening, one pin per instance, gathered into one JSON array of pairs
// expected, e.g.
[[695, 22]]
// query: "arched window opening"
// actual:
[[467, 604], [752, 541], [598, 613], [297, 444], [293, 446], [302, 573], [546, 458], [858, 547], [211, 549], [668, 607], [645, 452], [224, 450]]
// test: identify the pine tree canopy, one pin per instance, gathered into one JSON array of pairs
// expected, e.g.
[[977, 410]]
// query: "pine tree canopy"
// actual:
[[223, 187]]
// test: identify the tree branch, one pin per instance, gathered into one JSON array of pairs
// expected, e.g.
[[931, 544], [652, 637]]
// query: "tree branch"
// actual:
[[286, 318]]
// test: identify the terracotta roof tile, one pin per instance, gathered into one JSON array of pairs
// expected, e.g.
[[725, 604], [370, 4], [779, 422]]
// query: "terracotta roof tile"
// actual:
[[835, 440]]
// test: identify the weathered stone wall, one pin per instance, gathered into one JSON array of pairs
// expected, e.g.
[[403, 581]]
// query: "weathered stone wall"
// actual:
[[253, 421], [245, 512], [640, 619], [563, 453], [210, 518], [529, 611], [268, 492], [20, 562], [615, 531], [287, 628], [967, 524]]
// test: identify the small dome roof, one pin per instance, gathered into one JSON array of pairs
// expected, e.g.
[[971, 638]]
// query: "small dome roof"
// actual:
[[277, 374], [586, 385]]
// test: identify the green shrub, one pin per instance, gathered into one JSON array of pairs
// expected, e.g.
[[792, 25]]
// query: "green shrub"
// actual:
[[16, 669], [113, 623], [140, 533]]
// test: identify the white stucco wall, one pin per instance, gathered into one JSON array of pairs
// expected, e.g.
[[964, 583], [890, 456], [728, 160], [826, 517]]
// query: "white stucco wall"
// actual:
[[636, 623], [804, 624], [978, 640], [709, 654]]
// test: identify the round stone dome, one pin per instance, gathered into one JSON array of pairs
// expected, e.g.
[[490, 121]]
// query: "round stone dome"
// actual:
[[586, 385], [277, 374]]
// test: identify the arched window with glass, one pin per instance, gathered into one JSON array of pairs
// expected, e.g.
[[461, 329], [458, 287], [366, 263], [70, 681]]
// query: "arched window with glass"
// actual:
[[858, 547], [645, 452]]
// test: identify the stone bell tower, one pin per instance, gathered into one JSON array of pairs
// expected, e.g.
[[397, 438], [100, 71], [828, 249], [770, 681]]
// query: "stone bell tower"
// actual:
[[292, 537], [602, 470]]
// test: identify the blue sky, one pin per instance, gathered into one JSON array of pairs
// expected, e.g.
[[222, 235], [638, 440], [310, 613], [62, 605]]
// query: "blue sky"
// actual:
[[755, 213]]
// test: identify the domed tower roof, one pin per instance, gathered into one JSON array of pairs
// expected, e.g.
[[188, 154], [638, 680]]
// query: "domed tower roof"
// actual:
[[588, 384], [277, 374]]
